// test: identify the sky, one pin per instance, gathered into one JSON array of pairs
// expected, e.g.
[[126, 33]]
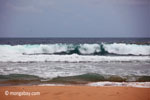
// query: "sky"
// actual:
[[74, 18]]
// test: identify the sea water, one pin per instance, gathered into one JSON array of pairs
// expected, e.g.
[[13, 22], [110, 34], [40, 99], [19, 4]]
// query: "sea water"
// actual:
[[74, 60]]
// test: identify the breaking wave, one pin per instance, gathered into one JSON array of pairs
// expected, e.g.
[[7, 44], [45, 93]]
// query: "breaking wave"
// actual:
[[80, 49]]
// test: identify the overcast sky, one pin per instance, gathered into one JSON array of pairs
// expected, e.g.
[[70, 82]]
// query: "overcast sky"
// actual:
[[74, 18]]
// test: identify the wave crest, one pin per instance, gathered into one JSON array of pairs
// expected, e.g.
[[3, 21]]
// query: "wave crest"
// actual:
[[81, 49]]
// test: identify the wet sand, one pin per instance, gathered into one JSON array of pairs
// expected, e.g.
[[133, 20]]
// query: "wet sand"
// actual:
[[74, 93]]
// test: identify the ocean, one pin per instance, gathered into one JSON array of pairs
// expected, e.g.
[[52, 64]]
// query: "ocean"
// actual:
[[73, 60]]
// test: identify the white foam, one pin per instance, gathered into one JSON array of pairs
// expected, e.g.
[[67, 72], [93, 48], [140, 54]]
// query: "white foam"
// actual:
[[126, 84], [33, 49], [16, 53], [117, 84], [121, 48], [71, 58], [89, 48], [116, 48]]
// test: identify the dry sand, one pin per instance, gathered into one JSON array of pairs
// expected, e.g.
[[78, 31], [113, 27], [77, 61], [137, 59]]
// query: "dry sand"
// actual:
[[76, 93]]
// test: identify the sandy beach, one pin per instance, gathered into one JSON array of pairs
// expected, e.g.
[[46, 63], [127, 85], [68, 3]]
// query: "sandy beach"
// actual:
[[74, 93]]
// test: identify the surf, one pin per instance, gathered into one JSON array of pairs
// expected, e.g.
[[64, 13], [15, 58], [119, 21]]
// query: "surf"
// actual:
[[80, 49]]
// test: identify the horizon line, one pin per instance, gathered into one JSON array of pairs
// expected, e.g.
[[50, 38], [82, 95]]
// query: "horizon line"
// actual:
[[74, 37]]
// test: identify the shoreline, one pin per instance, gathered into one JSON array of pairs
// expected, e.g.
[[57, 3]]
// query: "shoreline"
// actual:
[[76, 93], [92, 84]]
